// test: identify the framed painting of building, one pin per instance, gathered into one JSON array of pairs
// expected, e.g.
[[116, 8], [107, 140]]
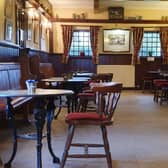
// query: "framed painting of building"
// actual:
[[116, 40]]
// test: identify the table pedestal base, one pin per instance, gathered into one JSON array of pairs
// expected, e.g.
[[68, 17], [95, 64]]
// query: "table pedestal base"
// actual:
[[44, 108]]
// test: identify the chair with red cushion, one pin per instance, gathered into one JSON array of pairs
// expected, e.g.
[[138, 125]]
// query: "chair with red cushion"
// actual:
[[160, 90], [107, 96], [156, 84]]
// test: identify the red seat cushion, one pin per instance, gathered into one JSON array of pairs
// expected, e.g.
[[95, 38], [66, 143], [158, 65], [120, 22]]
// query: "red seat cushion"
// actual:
[[87, 91], [86, 94], [2, 106], [159, 80], [85, 116], [162, 84]]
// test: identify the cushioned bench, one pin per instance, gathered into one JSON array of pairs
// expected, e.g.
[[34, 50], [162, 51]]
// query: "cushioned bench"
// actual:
[[10, 78]]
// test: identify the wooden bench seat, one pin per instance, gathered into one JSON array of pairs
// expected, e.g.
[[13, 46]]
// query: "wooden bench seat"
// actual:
[[10, 78]]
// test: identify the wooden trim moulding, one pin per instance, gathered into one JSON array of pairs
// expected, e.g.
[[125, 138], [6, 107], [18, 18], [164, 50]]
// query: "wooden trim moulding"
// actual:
[[70, 20]]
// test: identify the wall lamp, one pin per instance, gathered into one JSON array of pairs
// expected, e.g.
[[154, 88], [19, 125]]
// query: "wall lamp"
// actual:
[[46, 24], [33, 14]]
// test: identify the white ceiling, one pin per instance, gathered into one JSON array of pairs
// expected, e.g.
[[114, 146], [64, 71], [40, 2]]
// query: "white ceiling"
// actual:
[[89, 4]]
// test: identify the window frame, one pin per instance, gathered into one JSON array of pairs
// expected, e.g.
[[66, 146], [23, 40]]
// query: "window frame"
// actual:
[[89, 50], [147, 55]]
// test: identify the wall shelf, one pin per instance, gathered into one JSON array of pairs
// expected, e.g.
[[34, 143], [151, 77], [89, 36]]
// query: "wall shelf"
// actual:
[[70, 20]]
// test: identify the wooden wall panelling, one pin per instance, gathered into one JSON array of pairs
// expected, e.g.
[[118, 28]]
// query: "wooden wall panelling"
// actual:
[[8, 52], [14, 75], [55, 59], [145, 66], [4, 80], [115, 59], [82, 64], [10, 75], [141, 70], [74, 64]]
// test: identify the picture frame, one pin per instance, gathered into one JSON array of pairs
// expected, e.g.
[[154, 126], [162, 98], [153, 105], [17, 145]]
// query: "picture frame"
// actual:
[[8, 30], [8, 9], [43, 32], [36, 32], [29, 31], [116, 40], [116, 13]]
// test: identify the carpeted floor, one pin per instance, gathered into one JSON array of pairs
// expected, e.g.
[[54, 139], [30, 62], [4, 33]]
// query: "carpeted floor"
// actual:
[[138, 138]]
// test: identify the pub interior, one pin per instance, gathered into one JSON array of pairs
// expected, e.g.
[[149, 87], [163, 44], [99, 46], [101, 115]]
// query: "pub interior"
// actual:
[[65, 45]]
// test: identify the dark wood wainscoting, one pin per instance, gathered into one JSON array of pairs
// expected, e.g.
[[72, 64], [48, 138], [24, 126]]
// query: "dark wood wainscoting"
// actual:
[[59, 68], [8, 52], [33, 52], [115, 59], [82, 64], [74, 64], [142, 69]]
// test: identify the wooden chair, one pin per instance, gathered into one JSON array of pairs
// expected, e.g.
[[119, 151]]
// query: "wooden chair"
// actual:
[[147, 83], [1, 164], [107, 96], [160, 90], [87, 94], [102, 77]]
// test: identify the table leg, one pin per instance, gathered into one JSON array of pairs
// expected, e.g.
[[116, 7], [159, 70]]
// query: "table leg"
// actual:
[[59, 107], [69, 103], [11, 119], [39, 115], [50, 116]]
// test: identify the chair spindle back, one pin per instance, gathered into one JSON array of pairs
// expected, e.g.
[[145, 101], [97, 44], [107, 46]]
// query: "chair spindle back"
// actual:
[[107, 96]]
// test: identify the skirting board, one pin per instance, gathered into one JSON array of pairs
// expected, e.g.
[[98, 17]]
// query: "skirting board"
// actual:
[[121, 73]]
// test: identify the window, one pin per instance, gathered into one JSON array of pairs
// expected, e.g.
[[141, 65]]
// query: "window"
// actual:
[[151, 44], [80, 45]]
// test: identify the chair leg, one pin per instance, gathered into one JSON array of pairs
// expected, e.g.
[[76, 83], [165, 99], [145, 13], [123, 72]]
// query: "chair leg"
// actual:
[[106, 146], [84, 106], [67, 145]]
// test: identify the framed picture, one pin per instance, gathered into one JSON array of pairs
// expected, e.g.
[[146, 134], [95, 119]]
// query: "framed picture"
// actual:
[[29, 31], [36, 32], [8, 8], [43, 31], [116, 40], [116, 13], [8, 30]]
